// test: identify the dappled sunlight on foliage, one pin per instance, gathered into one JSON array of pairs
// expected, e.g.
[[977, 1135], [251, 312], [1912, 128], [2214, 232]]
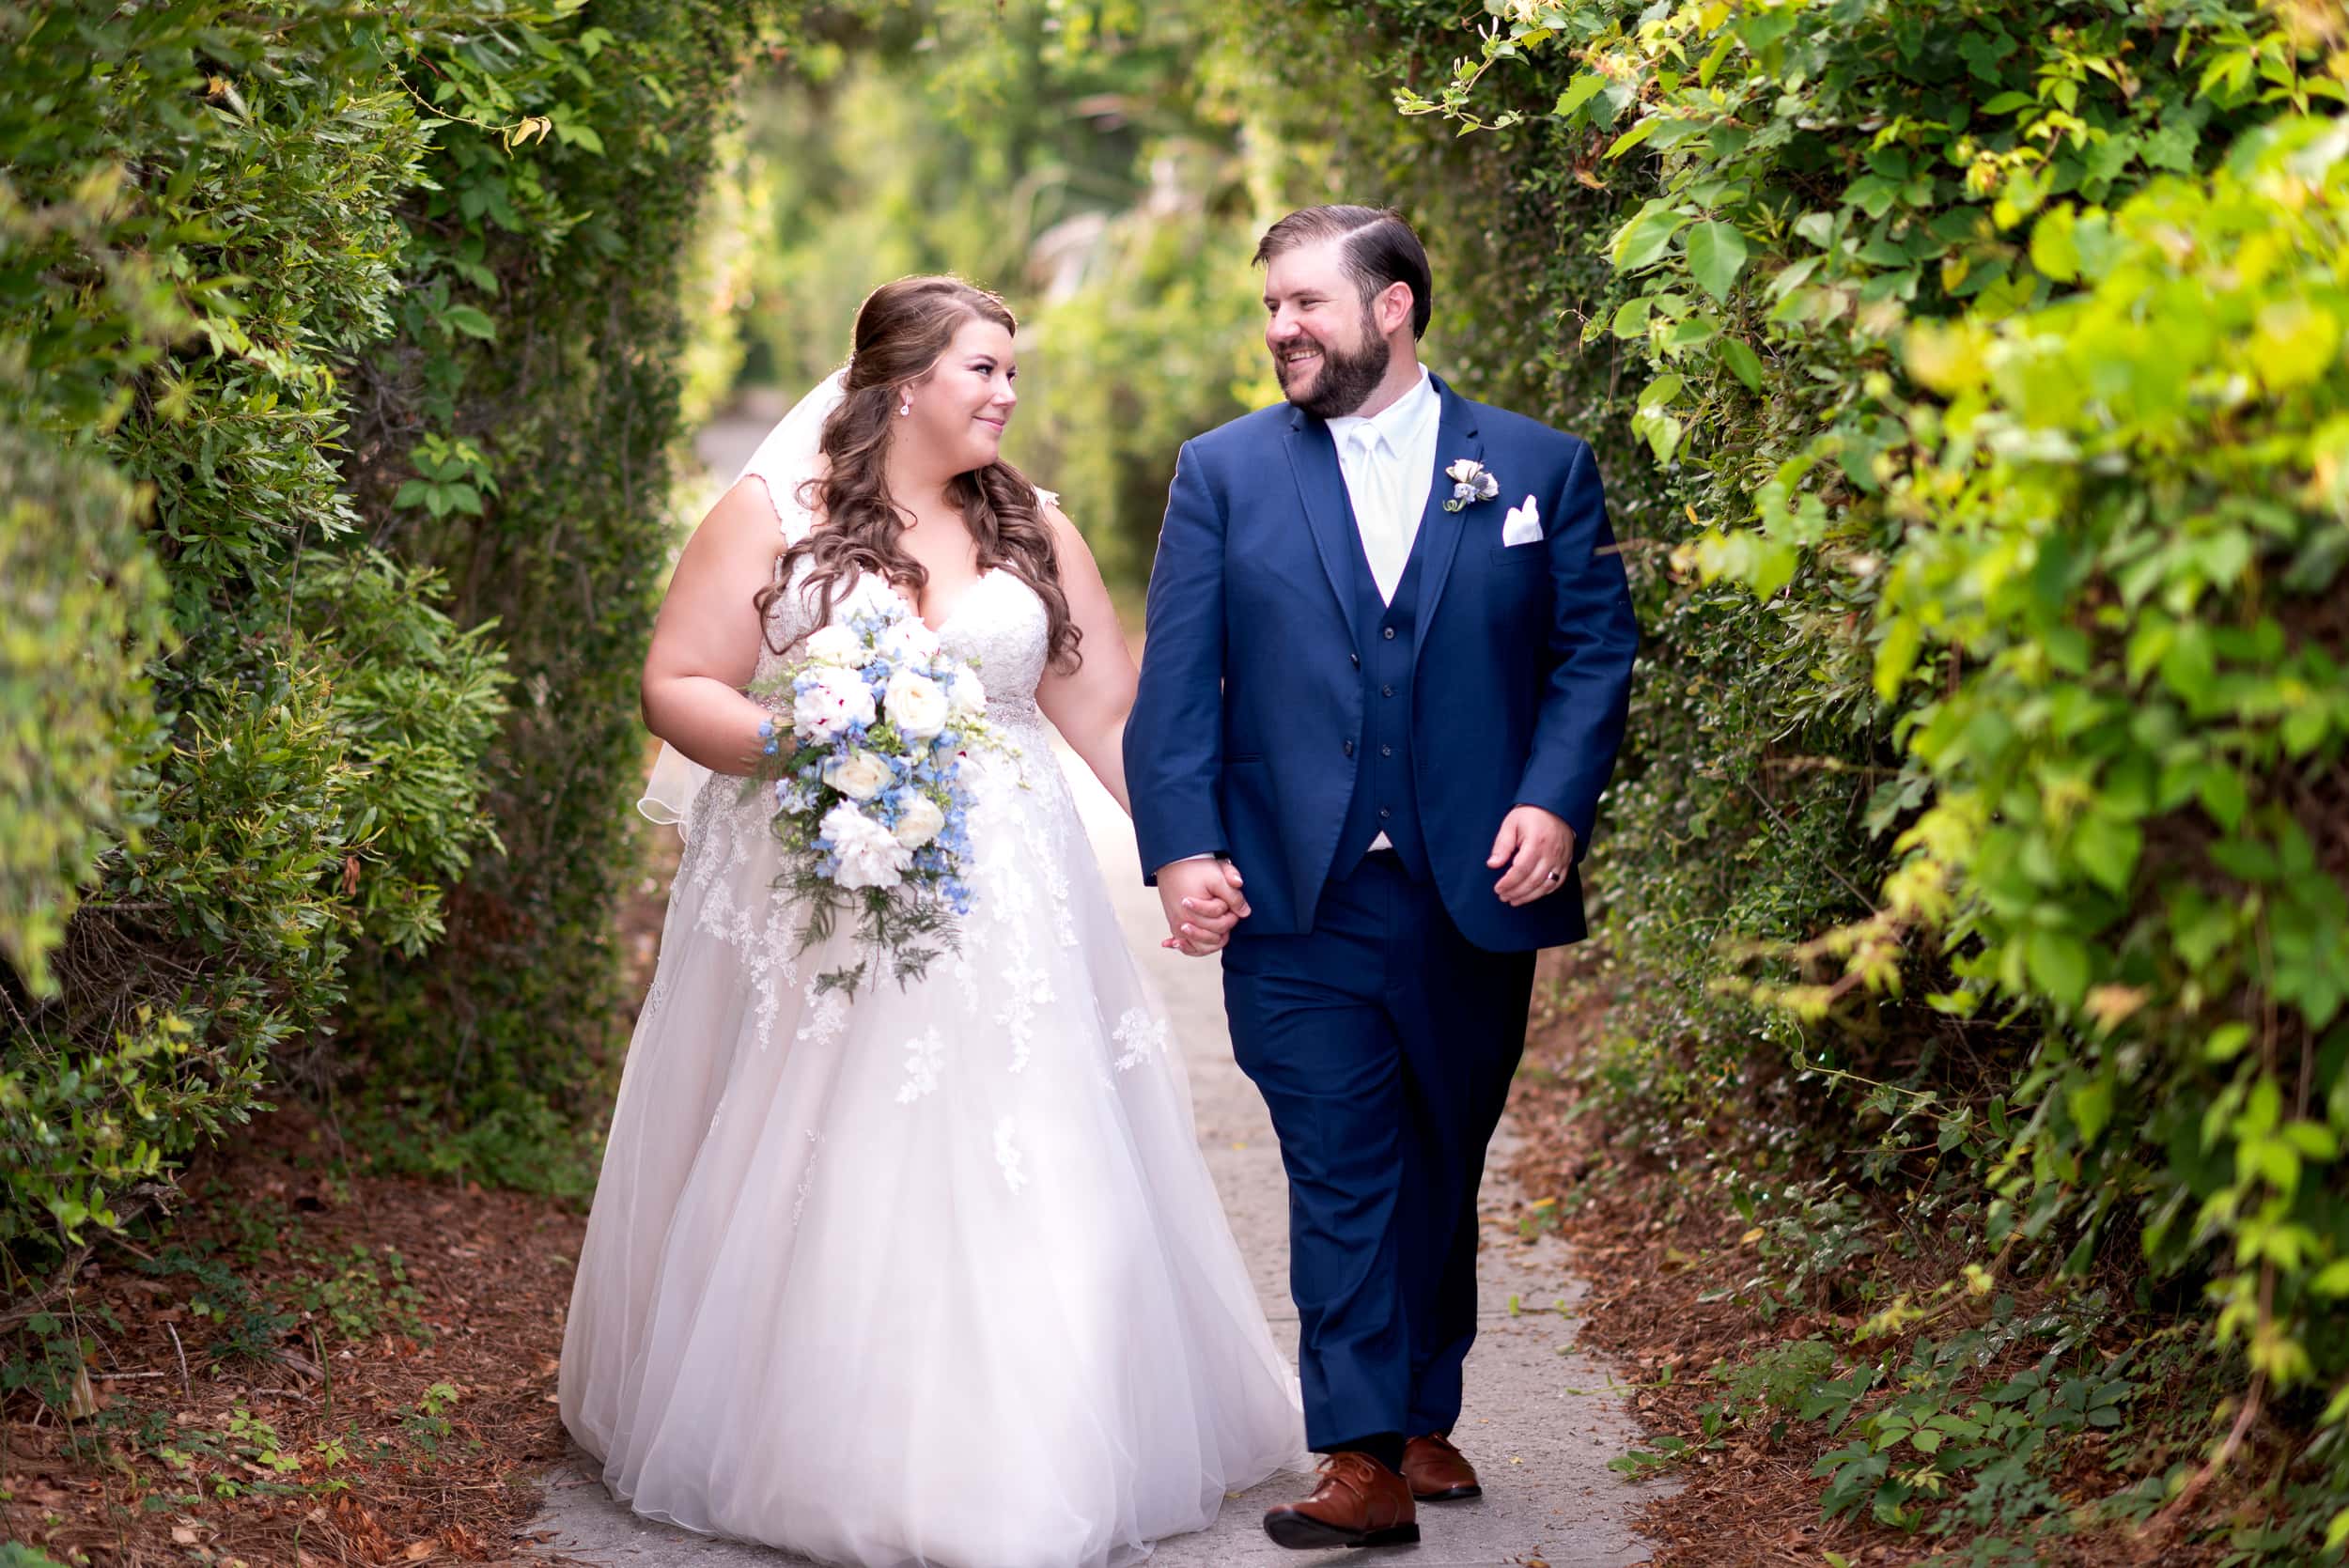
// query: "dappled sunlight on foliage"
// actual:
[[1980, 835]]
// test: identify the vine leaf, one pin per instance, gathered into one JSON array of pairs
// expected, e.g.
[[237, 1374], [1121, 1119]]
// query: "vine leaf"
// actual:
[[1716, 254], [1584, 88]]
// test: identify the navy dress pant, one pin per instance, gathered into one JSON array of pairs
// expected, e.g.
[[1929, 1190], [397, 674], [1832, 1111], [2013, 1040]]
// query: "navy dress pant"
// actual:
[[1383, 1042]]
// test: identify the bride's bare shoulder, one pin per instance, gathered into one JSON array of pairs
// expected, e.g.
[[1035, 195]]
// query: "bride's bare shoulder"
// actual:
[[1066, 536]]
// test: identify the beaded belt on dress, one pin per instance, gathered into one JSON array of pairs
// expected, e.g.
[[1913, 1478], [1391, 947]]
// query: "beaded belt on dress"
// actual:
[[1013, 710]]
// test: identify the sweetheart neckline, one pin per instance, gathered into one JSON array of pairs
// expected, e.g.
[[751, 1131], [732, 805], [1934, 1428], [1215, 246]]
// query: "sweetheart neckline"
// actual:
[[961, 599], [807, 516]]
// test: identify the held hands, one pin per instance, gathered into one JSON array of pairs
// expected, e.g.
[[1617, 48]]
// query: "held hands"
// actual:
[[1203, 903], [1538, 849]]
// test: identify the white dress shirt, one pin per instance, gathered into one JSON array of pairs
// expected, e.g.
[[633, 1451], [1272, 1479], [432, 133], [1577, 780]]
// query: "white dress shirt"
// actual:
[[1389, 462]]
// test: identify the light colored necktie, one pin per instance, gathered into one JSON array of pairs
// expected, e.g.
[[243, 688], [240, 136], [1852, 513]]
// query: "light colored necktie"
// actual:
[[1374, 509]]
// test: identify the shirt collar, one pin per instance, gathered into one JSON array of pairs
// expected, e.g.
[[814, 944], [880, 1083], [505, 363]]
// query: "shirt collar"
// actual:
[[1398, 421]]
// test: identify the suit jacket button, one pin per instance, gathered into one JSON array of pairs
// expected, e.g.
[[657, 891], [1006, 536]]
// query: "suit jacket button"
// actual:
[[1387, 634], [1386, 750], [1385, 691], [1349, 748], [1357, 659]]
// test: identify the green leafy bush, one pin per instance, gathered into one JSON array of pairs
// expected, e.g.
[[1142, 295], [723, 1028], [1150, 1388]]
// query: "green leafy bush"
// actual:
[[198, 222], [1980, 831], [334, 349], [518, 434]]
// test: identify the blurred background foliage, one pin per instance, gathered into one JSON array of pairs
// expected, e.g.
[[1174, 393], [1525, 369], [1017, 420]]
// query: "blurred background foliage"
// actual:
[[1102, 165]]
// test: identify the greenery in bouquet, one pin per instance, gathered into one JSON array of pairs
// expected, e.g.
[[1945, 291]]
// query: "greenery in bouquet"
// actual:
[[872, 801]]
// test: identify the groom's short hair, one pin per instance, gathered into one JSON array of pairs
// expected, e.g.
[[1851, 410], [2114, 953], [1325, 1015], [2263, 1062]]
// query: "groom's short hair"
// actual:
[[1378, 247]]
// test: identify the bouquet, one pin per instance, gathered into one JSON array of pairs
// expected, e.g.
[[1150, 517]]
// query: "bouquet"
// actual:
[[871, 804]]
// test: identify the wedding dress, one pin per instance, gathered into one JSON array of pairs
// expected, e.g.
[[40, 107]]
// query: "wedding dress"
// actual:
[[936, 1275]]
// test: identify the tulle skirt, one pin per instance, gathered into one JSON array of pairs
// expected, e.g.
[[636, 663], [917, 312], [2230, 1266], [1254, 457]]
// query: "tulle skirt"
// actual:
[[933, 1277]]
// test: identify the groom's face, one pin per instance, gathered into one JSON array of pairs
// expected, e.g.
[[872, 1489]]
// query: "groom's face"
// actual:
[[1327, 351]]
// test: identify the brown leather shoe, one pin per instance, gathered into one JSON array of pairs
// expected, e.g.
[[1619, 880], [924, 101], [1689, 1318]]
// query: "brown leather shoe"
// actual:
[[1359, 1502], [1437, 1471]]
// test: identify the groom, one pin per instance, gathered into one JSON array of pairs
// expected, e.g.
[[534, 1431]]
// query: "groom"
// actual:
[[1388, 650]]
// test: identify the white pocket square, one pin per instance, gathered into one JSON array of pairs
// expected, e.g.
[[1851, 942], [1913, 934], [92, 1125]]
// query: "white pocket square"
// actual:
[[1523, 525]]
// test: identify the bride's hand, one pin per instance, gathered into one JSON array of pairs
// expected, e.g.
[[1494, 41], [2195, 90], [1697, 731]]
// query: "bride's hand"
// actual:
[[1204, 903]]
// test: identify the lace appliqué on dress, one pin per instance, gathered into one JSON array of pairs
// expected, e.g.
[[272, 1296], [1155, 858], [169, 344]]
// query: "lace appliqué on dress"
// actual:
[[924, 1054], [1007, 1154], [807, 1176], [1142, 1036], [827, 1015]]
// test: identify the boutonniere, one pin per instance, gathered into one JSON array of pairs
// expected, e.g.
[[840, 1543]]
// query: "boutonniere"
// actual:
[[1472, 482]]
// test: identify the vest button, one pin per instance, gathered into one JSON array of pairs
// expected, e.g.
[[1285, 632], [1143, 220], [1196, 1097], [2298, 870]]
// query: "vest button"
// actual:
[[1387, 634], [1386, 750], [1349, 748]]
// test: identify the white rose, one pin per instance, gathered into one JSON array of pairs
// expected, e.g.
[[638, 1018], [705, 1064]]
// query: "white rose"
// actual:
[[916, 705], [869, 857], [870, 596], [965, 697], [910, 643], [859, 775], [836, 644], [921, 822], [834, 699]]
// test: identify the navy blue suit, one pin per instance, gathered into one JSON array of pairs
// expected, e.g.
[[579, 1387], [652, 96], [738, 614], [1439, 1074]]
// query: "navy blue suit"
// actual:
[[1287, 716]]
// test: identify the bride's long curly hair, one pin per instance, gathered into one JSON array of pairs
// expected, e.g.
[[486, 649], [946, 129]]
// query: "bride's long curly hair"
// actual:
[[902, 330]]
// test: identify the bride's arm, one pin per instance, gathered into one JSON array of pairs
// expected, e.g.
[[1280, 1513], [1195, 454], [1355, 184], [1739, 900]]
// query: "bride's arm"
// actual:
[[705, 644], [1088, 704]]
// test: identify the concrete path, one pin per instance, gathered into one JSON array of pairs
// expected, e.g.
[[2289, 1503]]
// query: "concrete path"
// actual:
[[1541, 1421]]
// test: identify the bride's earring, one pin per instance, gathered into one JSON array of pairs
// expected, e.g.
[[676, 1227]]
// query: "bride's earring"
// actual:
[[905, 407]]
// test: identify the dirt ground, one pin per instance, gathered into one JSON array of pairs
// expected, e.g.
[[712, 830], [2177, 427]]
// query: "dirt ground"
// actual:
[[312, 1369]]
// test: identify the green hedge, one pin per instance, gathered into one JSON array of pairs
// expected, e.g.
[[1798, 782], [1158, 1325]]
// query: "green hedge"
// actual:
[[519, 433], [198, 229], [335, 399], [1987, 776]]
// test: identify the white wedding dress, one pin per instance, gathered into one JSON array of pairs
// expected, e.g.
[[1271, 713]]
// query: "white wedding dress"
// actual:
[[935, 1276]]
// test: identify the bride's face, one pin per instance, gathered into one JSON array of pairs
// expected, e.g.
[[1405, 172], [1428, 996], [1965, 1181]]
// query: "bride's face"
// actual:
[[959, 411]]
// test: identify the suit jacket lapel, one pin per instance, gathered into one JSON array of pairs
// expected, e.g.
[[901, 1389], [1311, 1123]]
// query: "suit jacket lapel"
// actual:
[[1314, 460], [1440, 531]]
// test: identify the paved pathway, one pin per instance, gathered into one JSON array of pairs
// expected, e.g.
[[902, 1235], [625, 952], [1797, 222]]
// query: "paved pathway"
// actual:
[[1540, 1422]]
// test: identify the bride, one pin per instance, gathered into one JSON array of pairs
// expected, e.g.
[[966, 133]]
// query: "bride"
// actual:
[[936, 1277]]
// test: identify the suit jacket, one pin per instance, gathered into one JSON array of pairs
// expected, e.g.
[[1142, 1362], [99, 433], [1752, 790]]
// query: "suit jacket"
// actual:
[[1243, 735]]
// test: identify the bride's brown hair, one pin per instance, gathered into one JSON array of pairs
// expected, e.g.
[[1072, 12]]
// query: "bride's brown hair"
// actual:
[[902, 330]]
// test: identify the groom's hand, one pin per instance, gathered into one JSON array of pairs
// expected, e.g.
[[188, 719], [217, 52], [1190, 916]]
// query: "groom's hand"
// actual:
[[1538, 848], [1202, 902]]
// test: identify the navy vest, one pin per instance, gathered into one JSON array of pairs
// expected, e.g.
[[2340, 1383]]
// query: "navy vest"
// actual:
[[1386, 793]]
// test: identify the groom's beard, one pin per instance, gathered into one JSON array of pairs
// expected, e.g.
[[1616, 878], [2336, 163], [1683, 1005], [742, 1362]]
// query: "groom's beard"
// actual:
[[1347, 380]]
